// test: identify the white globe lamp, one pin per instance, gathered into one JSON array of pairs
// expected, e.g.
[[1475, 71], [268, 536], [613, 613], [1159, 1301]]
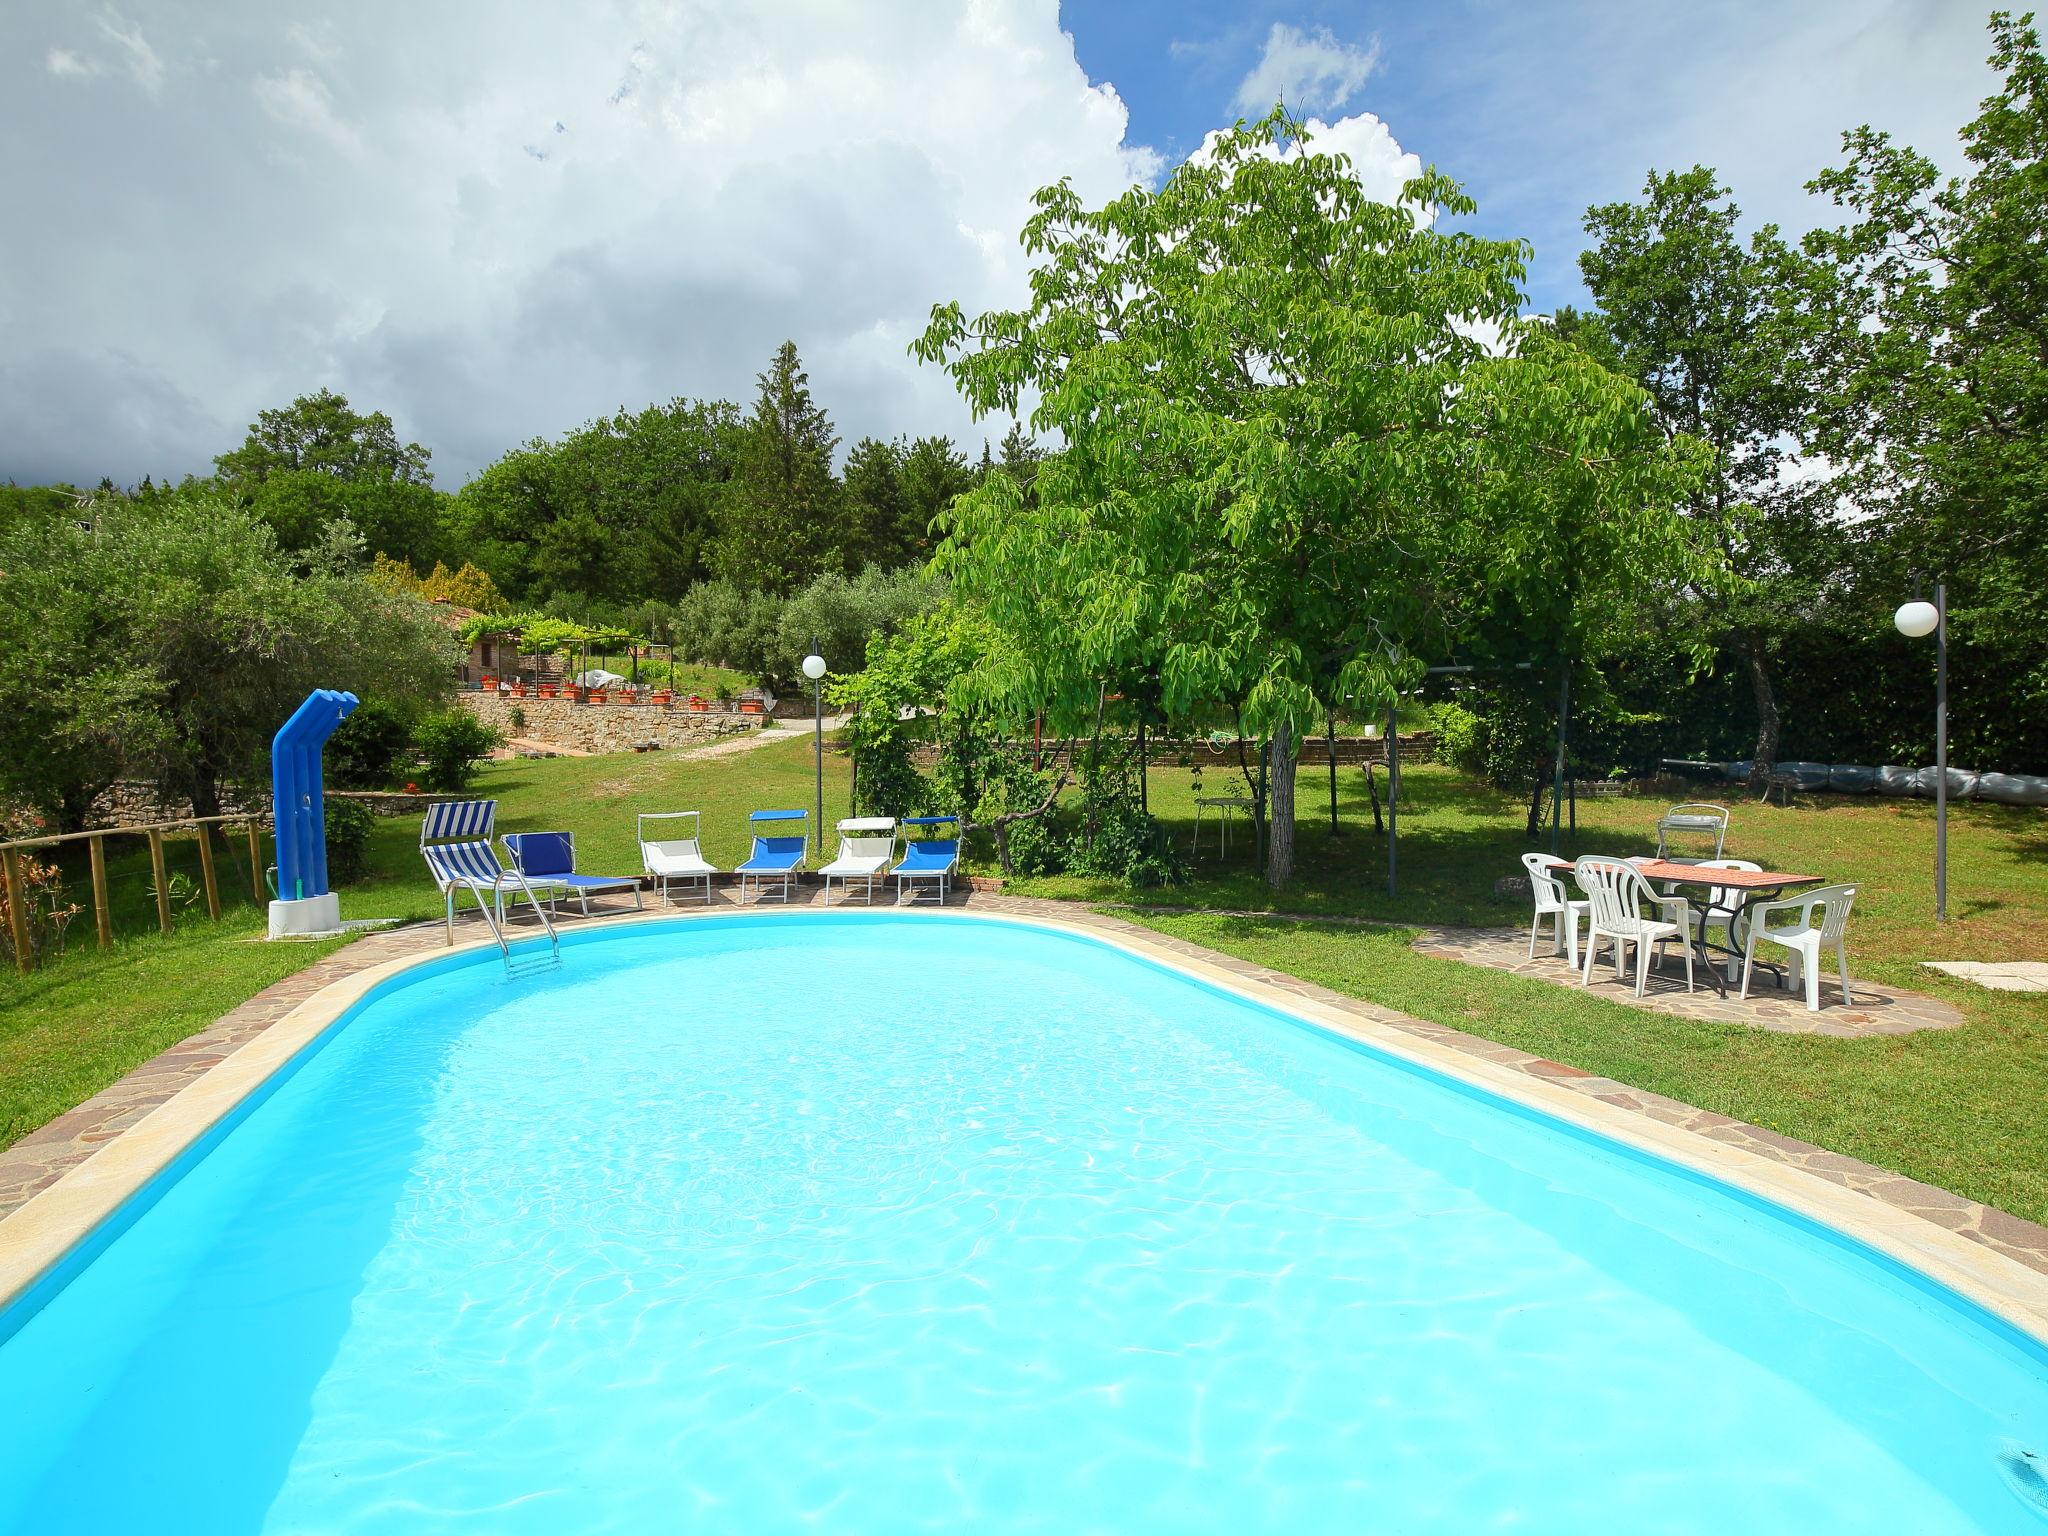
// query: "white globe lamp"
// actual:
[[814, 664], [1915, 620]]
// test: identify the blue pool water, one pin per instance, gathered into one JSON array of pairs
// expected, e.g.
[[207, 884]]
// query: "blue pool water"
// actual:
[[862, 1223]]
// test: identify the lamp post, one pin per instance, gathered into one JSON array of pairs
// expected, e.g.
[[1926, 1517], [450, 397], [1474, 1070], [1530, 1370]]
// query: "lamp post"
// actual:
[[814, 669], [1917, 620]]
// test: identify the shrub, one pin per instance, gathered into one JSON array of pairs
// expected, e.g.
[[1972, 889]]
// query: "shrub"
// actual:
[[450, 744], [45, 911], [365, 750], [349, 824], [1460, 737]]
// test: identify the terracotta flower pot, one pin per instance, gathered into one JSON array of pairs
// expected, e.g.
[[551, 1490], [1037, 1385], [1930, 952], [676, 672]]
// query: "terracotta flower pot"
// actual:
[[594, 695], [697, 705], [662, 698]]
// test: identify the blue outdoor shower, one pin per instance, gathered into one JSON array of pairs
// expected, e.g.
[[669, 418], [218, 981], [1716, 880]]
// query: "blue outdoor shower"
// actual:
[[296, 799]]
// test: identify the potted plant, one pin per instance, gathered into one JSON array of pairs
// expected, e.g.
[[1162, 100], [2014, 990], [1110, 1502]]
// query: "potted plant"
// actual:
[[662, 698], [548, 690], [488, 682], [594, 695], [697, 704], [518, 687]]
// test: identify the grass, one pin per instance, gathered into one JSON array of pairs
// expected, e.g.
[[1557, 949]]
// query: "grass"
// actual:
[[1954, 1108]]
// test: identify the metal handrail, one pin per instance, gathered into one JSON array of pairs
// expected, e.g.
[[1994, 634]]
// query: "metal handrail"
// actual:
[[476, 891]]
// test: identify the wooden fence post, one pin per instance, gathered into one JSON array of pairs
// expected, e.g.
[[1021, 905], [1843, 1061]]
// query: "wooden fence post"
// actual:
[[102, 919], [206, 872], [255, 862], [163, 887], [17, 915]]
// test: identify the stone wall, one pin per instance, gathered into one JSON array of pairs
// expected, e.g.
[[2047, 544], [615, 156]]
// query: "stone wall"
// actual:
[[604, 727]]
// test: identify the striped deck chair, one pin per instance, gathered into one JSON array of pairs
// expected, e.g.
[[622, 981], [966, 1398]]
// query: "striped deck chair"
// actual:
[[455, 840]]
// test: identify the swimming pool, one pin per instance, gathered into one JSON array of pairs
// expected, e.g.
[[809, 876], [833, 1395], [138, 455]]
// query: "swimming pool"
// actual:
[[864, 1222]]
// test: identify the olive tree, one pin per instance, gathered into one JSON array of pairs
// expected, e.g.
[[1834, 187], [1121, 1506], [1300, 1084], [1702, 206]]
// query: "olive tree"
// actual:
[[170, 640]]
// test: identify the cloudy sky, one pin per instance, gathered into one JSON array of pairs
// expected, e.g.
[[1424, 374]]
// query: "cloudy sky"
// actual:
[[495, 220]]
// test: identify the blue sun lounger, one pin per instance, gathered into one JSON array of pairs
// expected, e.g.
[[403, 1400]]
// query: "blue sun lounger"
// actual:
[[929, 859], [552, 856], [773, 858]]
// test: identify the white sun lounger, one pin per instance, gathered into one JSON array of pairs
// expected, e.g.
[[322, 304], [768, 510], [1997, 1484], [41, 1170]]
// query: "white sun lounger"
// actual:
[[866, 845], [673, 853]]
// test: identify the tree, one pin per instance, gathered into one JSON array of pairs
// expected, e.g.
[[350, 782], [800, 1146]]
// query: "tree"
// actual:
[[784, 518], [319, 432], [205, 635], [318, 460], [1693, 315], [876, 509], [72, 702], [623, 509], [1931, 355], [934, 473], [1289, 456], [1020, 456]]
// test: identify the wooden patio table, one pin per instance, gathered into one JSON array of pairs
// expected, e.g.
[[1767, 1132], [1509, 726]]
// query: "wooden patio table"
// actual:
[[1746, 885]]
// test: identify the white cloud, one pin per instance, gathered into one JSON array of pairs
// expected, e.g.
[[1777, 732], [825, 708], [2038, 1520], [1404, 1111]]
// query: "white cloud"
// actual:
[[65, 64], [1310, 71], [298, 98], [731, 175], [1378, 163], [124, 48]]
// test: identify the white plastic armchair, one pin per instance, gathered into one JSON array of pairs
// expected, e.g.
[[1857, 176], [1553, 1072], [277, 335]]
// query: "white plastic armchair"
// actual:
[[1618, 894], [1804, 939], [1555, 903], [1724, 902]]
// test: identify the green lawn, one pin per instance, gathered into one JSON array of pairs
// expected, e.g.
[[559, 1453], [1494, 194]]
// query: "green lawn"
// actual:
[[1954, 1108]]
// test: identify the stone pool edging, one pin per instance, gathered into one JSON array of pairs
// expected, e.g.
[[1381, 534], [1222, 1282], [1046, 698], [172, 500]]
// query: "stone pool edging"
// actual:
[[1994, 1259]]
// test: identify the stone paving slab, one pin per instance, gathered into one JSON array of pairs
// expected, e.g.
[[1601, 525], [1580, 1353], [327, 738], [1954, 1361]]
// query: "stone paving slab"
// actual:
[[2000, 975], [1876, 1010], [42, 1157]]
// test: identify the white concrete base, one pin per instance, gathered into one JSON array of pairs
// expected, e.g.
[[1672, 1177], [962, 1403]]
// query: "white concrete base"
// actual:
[[308, 917]]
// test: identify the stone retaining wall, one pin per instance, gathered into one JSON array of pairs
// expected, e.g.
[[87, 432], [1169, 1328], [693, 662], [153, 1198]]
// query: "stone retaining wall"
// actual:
[[604, 727]]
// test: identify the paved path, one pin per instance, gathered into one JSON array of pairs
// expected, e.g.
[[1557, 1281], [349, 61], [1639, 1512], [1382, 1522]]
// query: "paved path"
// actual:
[[40, 1158], [784, 730]]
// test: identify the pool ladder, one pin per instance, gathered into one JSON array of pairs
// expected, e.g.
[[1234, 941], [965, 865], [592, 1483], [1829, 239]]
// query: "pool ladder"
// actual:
[[524, 965]]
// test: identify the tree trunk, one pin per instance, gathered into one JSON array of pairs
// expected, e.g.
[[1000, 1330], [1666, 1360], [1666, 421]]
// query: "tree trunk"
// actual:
[[1330, 748], [1280, 806], [1765, 760], [205, 794]]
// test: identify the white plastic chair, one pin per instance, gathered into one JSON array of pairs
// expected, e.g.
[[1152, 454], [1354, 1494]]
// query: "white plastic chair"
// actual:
[[1617, 894], [1724, 902], [1804, 940], [1554, 902]]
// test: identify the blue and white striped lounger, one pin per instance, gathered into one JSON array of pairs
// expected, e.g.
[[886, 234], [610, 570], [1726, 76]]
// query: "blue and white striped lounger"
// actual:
[[455, 840], [933, 860], [773, 858]]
